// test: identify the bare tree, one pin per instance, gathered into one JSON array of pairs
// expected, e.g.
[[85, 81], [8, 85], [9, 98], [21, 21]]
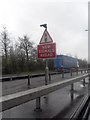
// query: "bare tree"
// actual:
[[33, 56], [20, 57], [27, 46], [5, 44], [5, 41], [83, 63]]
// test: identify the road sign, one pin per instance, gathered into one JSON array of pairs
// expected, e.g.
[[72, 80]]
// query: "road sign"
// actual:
[[46, 38], [47, 50]]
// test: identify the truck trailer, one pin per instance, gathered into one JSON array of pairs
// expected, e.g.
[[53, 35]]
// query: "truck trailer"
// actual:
[[66, 63]]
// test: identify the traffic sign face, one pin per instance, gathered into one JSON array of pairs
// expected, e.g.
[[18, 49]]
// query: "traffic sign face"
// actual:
[[47, 50], [46, 38]]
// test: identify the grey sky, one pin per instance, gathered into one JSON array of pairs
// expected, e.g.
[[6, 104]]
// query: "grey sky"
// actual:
[[66, 21]]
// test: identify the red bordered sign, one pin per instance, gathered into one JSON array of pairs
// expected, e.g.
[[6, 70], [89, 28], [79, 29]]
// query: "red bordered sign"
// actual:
[[47, 50], [46, 38]]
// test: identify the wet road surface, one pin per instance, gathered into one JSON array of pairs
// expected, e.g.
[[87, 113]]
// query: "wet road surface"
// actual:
[[56, 104], [14, 86]]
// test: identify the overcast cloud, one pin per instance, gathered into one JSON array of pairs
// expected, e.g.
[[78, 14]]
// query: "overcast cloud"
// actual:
[[66, 21]]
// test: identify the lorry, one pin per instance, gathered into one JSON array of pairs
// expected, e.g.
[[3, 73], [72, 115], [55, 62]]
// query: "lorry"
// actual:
[[65, 63]]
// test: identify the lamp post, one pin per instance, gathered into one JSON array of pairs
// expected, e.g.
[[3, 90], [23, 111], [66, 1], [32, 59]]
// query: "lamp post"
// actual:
[[88, 30], [46, 69]]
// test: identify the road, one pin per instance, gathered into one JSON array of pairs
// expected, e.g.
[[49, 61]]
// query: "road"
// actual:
[[14, 86], [57, 104]]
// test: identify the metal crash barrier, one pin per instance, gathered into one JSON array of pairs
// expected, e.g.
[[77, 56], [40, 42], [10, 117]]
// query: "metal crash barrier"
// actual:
[[30, 76], [16, 99], [83, 111]]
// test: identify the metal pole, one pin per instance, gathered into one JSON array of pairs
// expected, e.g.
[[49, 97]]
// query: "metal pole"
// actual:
[[28, 79], [46, 69], [81, 71], [77, 72], [38, 108], [71, 72], [62, 73], [11, 78], [84, 82], [46, 73], [72, 94], [49, 77]]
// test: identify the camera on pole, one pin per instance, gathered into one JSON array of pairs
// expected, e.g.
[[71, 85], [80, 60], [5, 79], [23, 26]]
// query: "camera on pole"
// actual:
[[44, 25]]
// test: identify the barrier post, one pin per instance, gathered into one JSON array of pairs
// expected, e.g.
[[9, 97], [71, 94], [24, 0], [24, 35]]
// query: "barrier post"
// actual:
[[11, 78], [62, 73], [38, 108], [84, 82], [49, 77], [81, 71], [84, 71], [28, 79], [46, 73], [72, 94], [77, 72], [71, 72]]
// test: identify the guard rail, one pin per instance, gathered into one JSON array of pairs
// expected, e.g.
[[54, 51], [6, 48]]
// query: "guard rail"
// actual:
[[16, 99], [5, 79]]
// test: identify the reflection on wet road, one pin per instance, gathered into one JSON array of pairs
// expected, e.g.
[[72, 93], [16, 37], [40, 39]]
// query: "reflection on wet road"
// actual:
[[54, 104]]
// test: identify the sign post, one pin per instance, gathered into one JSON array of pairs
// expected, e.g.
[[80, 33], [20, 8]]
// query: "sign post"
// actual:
[[46, 69], [46, 73], [46, 50]]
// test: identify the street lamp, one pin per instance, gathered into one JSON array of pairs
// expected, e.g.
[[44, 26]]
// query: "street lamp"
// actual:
[[86, 30]]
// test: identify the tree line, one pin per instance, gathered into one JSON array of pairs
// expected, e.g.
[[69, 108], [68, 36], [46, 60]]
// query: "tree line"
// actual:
[[22, 56]]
